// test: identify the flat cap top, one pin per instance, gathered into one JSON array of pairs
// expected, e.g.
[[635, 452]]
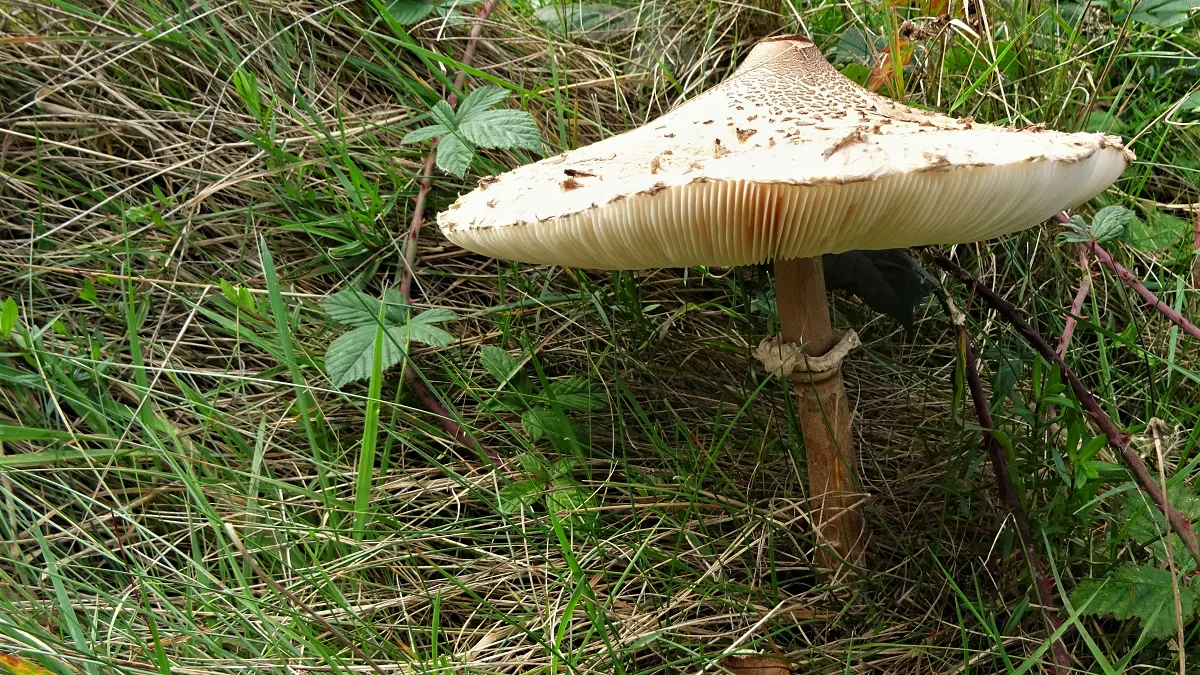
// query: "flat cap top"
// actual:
[[786, 158]]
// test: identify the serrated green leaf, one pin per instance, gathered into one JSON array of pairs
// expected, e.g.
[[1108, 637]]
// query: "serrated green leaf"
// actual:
[[425, 133], [1147, 526], [1157, 232], [396, 310], [889, 280], [350, 356], [515, 497], [8, 317], [430, 335], [1145, 593], [577, 393], [502, 129], [443, 114], [88, 292], [453, 155], [481, 99], [566, 495], [535, 465], [1157, 12], [437, 315], [499, 363], [542, 423], [1073, 237], [1110, 223], [408, 11], [351, 308]]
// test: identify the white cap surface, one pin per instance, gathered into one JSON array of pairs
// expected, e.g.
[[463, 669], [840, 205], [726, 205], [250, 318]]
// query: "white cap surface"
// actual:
[[787, 158]]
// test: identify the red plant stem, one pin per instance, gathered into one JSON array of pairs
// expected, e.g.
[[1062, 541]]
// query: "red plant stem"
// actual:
[[1145, 293], [1008, 495], [1116, 438], [418, 218], [428, 400], [1132, 282], [1085, 286]]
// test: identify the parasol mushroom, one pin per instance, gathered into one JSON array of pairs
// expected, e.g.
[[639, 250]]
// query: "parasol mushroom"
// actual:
[[787, 160]]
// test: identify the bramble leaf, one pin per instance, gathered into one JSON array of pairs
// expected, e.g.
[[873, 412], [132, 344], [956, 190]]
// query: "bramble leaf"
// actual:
[[479, 100], [425, 133], [502, 128], [408, 11], [1144, 593], [453, 155], [349, 357], [1110, 223], [500, 364], [351, 308]]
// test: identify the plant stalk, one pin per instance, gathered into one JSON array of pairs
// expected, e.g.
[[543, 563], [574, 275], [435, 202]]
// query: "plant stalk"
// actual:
[[1116, 438], [824, 414]]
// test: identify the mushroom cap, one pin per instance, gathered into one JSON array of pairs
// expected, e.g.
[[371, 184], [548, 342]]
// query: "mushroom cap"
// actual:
[[787, 158]]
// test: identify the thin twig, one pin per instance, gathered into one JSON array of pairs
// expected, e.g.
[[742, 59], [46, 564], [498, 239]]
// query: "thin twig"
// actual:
[[1156, 427], [1004, 485], [1085, 286], [1116, 438], [418, 218], [1145, 293], [294, 599], [422, 391], [1131, 281]]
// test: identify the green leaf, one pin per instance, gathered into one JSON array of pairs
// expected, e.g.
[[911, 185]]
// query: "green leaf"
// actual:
[[453, 155], [1144, 593], [1110, 223], [499, 363], [502, 129], [437, 315], [1157, 12], [430, 335], [1159, 231], [425, 133], [542, 423], [350, 356], [577, 393], [351, 308], [1074, 237], [1008, 366], [516, 497], [397, 307], [479, 100], [889, 280], [567, 495], [443, 114], [8, 317], [1147, 526], [408, 11], [88, 292], [599, 22], [421, 328]]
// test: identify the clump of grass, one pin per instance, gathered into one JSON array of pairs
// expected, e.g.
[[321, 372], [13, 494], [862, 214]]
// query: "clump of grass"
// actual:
[[181, 186]]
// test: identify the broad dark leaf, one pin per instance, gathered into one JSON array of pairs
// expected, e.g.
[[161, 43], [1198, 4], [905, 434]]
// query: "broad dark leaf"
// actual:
[[888, 280]]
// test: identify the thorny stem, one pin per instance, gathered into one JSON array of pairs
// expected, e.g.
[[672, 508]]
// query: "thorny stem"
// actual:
[[418, 218], [1132, 282], [1085, 286], [427, 398], [1004, 485], [1116, 438]]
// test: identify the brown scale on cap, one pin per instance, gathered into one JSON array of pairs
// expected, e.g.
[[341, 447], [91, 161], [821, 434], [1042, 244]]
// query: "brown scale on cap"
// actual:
[[913, 177]]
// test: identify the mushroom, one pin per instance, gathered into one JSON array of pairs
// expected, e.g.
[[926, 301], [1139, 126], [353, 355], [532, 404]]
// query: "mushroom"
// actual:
[[784, 161]]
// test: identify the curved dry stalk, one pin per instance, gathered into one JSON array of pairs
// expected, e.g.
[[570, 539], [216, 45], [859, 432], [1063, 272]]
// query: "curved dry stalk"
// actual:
[[1116, 438]]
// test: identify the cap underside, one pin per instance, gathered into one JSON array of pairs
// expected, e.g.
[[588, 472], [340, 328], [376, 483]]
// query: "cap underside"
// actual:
[[786, 159], [738, 222]]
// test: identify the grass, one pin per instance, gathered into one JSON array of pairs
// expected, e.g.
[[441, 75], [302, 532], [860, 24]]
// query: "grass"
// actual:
[[181, 183]]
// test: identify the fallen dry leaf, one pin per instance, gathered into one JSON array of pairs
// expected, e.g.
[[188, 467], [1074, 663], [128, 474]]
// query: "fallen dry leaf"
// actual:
[[756, 665]]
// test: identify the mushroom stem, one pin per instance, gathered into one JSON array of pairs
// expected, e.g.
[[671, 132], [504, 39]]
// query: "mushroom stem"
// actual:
[[824, 414]]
